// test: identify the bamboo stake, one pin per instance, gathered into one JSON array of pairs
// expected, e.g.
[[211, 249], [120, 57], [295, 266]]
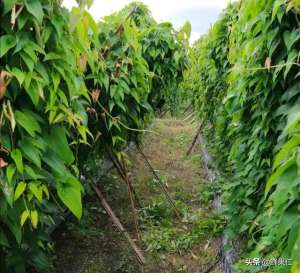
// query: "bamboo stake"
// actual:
[[164, 189], [122, 174], [116, 221], [129, 187], [194, 140], [188, 108]]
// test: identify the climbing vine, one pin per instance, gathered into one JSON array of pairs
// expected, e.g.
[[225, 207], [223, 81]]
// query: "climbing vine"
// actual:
[[70, 89], [248, 95]]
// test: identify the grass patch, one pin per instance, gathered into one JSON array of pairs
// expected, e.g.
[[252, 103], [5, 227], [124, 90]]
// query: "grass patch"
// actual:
[[163, 232]]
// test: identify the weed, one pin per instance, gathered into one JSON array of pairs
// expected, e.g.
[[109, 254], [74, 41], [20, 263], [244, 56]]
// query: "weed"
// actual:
[[162, 233], [181, 140], [208, 192]]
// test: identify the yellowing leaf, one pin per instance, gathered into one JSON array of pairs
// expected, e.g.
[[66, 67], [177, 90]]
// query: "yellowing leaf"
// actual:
[[21, 187], [36, 191], [24, 217], [34, 217]]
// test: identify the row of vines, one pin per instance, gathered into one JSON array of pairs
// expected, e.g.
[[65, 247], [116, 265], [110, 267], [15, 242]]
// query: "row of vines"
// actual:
[[72, 91], [244, 81]]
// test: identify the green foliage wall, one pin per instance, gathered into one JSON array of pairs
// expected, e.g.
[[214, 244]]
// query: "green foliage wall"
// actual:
[[165, 51], [252, 122], [70, 89]]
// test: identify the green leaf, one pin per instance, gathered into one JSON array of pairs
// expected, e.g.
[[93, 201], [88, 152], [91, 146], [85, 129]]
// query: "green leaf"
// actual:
[[28, 122], [59, 144], [289, 218], [33, 173], [18, 74], [276, 175], [35, 8], [8, 191], [16, 155], [296, 249], [10, 171], [290, 37], [285, 150], [21, 187], [113, 90], [70, 194], [8, 5], [46, 191], [52, 160], [3, 238], [34, 92], [276, 6], [28, 61], [34, 217], [6, 43], [30, 151], [292, 56], [24, 217], [105, 81], [36, 191]]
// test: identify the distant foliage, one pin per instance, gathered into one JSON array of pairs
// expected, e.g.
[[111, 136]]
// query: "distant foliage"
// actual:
[[248, 95]]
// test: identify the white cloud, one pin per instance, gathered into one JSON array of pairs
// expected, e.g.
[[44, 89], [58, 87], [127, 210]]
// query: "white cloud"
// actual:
[[162, 9], [176, 11], [195, 36]]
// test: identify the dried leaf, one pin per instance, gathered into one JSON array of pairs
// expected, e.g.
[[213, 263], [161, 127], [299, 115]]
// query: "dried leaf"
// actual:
[[13, 17], [3, 163], [268, 63], [9, 114], [4, 79], [96, 95], [82, 63]]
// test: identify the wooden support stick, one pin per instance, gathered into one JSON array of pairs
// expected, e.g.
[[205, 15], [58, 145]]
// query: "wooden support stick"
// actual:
[[116, 221], [188, 108], [163, 187], [194, 140], [130, 191], [123, 174]]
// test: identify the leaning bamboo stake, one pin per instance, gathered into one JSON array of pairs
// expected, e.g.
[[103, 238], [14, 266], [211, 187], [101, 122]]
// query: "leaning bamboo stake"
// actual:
[[116, 221], [188, 108], [163, 187], [194, 140], [120, 169], [129, 187]]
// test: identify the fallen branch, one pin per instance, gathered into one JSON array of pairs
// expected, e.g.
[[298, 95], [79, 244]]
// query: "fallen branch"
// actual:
[[163, 187], [116, 221], [194, 140]]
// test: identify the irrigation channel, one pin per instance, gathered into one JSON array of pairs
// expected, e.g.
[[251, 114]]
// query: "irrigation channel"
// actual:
[[175, 227]]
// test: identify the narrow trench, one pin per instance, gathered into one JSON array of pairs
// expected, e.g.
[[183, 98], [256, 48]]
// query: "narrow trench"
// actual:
[[190, 244]]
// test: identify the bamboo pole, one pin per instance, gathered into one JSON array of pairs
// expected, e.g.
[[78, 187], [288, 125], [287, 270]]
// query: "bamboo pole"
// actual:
[[116, 221], [194, 140], [163, 187]]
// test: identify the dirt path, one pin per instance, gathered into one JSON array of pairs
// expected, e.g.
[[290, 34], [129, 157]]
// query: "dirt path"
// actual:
[[171, 245]]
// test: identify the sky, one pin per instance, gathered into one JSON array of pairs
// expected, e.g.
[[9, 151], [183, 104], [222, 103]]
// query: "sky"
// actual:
[[201, 13]]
